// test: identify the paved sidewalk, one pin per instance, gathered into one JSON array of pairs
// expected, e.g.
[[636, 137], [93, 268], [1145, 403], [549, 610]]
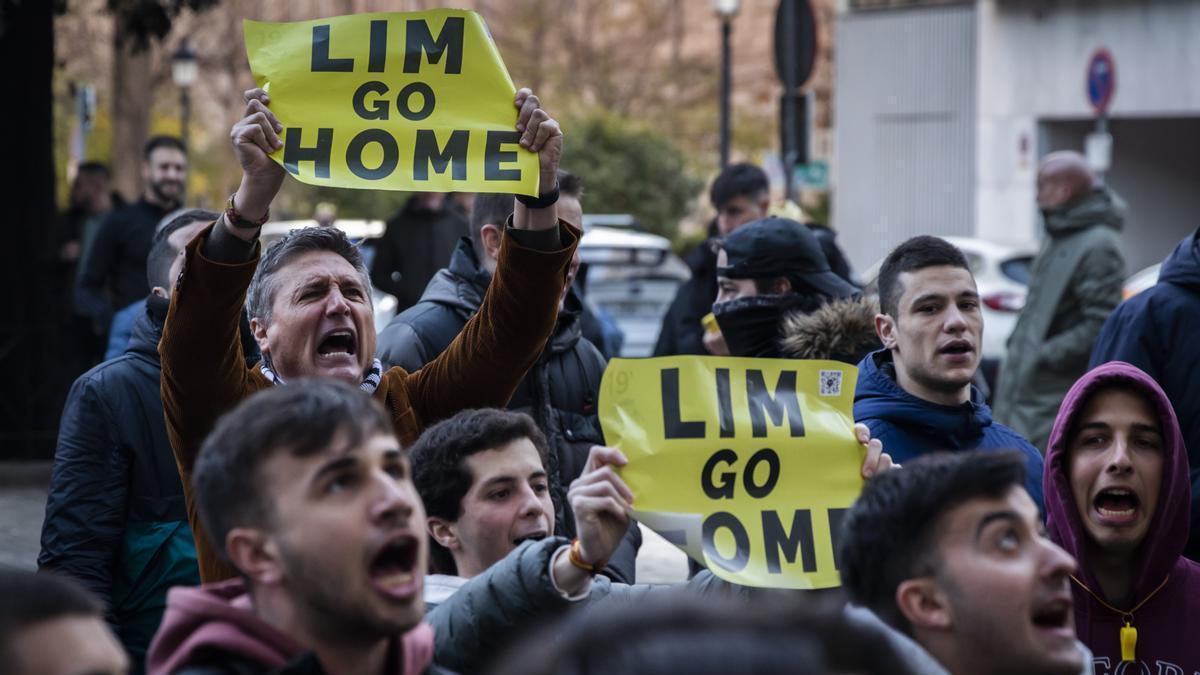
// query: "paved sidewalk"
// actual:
[[22, 506]]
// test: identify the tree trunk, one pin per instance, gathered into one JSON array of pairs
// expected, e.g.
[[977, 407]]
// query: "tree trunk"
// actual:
[[30, 389], [132, 99]]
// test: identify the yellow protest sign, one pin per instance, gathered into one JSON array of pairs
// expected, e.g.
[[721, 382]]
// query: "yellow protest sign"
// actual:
[[417, 101], [748, 465]]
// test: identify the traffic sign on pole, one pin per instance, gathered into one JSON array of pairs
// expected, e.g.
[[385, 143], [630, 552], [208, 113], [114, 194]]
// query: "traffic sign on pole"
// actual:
[[1101, 80]]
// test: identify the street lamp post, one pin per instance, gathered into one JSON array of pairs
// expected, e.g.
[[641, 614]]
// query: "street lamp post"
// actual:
[[726, 10], [184, 71]]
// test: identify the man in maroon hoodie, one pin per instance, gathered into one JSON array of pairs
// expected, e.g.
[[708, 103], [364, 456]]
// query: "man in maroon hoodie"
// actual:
[[308, 494], [1117, 497]]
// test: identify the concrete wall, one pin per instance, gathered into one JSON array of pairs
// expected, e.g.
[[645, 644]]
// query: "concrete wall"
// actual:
[[1031, 69], [904, 114]]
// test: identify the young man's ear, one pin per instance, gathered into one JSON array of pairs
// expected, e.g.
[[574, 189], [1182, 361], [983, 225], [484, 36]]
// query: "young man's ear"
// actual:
[[491, 234], [443, 532], [254, 555], [924, 604], [161, 292], [885, 328]]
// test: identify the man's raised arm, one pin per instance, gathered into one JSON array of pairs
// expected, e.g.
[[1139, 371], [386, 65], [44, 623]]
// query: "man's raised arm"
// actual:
[[485, 363], [204, 372]]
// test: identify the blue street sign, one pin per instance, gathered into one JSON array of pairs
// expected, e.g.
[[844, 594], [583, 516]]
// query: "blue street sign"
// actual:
[[1101, 80]]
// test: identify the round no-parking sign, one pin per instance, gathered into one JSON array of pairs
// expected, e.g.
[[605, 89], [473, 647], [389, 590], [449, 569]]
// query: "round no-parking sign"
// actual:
[[1101, 80]]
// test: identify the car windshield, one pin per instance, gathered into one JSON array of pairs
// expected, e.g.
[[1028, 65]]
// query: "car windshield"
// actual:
[[1017, 269]]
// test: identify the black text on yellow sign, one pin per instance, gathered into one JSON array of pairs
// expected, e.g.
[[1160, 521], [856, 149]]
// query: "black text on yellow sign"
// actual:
[[416, 101], [746, 464]]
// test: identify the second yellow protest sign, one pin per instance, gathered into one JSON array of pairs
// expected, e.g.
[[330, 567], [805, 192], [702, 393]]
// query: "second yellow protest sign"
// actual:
[[748, 465], [417, 101]]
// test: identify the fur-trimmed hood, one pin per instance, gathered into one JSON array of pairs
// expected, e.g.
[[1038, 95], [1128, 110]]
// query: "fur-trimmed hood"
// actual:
[[841, 330]]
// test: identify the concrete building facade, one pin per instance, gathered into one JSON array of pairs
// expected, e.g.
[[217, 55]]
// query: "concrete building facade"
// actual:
[[943, 110]]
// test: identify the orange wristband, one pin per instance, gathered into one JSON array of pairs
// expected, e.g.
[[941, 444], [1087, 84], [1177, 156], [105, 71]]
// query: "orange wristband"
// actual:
[[576, 559]]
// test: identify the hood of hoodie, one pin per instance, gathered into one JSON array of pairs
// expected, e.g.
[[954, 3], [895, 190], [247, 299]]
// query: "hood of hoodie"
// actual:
[[843, 329], [880, 397], [462, 284], [1182, 267], [1100, 207], [219, 617], [1169, 528], [147, 328]]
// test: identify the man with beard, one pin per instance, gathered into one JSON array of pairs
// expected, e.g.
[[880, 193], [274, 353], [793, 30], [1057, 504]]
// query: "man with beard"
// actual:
[[950, 553], [113, 275], [309, 302], [915, 394], [773, 271]]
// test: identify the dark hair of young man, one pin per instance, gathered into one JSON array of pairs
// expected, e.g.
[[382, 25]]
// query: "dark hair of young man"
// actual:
[[30, 599], [302, 418], [569, 184], [95, 168], [157, 142], [889, 534], [915, 254], [439, 461], [158, 263], [738, 180], [713, 635], [489, 209]]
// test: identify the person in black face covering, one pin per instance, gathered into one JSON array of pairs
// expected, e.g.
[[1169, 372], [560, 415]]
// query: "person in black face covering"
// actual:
[[778, 298]]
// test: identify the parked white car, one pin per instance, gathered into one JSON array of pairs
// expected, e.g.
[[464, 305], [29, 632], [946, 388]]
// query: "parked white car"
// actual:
[[1002, 274], [633, 275], [362, 233], [1141, 281]]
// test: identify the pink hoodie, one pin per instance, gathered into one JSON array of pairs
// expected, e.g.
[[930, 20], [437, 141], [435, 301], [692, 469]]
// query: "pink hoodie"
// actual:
[[220, 617], [1169, 622]]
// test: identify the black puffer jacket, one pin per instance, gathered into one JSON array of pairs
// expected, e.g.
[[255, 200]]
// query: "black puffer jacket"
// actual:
[[560, 392], [115, 517]]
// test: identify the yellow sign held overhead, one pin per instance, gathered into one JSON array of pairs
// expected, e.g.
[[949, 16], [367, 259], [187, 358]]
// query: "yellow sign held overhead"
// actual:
[[416, 101], [748, 465]]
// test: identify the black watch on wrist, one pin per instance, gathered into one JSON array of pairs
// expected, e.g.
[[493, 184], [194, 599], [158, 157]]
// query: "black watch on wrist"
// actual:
[[542, 201]]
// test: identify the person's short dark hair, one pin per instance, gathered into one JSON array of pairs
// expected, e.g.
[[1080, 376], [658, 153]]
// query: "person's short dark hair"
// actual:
[[738, 180], [302, 418], [915, 254], [889, 534], [30, 599], [570, 185], [439, 460], [489, 209], [94, 168], [709, 635], [158, 262], [157, 142], [260, 295]]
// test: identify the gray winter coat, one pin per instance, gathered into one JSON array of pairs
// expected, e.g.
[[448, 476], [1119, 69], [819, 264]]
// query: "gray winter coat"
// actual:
[[1075, 284]]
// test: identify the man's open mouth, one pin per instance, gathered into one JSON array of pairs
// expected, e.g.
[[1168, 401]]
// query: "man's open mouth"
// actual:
[[392, 570], [532, 536], [956, 347], [1117, 504], [336, 343], [1054, 616]]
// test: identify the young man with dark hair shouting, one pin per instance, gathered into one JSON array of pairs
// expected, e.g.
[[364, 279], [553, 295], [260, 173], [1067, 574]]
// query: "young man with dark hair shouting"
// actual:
[[915, 394], [950, 552], [309, 302], [311, 498], [1117, 497]]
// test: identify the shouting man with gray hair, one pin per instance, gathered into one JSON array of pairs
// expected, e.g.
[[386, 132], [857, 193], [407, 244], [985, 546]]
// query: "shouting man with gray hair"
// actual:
[[309, 302]]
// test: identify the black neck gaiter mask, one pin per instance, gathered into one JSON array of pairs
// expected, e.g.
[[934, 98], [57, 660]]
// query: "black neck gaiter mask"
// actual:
[[751, 325]]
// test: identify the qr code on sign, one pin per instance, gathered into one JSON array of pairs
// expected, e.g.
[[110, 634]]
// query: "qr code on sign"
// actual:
[[831, 383]]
